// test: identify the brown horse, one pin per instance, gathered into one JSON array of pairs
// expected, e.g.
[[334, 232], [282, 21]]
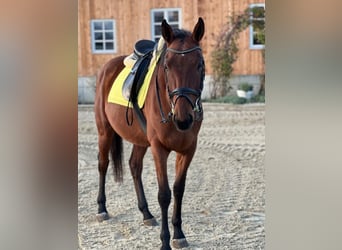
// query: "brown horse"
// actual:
[[175, 89]]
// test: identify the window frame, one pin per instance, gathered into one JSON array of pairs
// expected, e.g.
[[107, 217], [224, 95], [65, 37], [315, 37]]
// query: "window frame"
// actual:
[[103, 40], [165, 11], [251, 29]]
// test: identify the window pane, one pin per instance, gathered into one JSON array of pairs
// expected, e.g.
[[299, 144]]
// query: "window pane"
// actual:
[[108, 35], [257, 18], [97, 25], [109, 46], [99, 46], [259, 38], [256, 40], [108, 25], [174, 26], [98, 36], [258, 12], [102, 35], [173, 16], [158, 16], [157, 30], [258, 25]]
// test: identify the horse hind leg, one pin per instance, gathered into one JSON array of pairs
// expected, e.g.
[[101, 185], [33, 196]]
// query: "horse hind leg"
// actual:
[[109, 141], [103, 161], [136, 166]]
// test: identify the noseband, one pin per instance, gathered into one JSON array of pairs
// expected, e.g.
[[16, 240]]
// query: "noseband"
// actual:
[[182, 92]]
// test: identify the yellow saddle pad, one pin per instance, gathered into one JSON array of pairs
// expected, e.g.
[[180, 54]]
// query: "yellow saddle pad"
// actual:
[[115, 94]]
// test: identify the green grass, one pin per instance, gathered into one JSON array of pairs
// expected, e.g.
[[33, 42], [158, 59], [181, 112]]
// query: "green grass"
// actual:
[[237, 100]]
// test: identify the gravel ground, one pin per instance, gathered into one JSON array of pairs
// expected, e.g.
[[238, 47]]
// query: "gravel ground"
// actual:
[[224, 199]]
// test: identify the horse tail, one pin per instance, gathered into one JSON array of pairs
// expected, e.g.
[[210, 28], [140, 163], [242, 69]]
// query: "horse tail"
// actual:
[[116, 152]]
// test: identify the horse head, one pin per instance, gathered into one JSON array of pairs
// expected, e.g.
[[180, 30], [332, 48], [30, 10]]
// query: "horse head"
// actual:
[[184, 71]]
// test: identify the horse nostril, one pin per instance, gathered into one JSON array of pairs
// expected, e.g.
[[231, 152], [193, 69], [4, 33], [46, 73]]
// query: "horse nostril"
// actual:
[[191, 119], [185, 124]]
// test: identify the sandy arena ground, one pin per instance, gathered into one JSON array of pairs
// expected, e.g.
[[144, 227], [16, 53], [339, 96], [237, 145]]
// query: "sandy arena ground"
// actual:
[[224, 200]]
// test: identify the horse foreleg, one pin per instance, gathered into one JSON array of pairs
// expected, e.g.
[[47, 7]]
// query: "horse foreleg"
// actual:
[[182, 164], [136, 166], [160, 156], [103, 161]]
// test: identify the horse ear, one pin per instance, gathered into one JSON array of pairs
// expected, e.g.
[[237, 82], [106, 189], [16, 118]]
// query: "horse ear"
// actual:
[[198, 32], [167, 32]]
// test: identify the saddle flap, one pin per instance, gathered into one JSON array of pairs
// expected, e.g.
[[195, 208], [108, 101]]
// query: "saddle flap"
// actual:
[[135, 78], [138, 62]]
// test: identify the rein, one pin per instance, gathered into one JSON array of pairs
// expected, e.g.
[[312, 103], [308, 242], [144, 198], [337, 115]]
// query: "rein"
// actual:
[[180, 92]]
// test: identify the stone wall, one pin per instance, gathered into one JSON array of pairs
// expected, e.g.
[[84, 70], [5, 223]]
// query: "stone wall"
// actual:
[[86, 89], [86, 86]]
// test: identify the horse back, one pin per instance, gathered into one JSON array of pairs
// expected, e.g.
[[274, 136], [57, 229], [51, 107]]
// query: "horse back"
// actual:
[[107, 75], [104, 81]]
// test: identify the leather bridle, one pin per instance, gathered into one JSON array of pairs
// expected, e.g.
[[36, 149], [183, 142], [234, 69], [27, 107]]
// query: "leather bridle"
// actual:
[[182, 92]]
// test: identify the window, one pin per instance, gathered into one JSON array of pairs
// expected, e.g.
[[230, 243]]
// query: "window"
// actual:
[[172, 16], [103, 39], [257, 26]]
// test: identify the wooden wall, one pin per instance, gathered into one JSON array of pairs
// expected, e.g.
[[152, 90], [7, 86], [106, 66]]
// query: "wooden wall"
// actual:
[[215, 14], [133, 23]]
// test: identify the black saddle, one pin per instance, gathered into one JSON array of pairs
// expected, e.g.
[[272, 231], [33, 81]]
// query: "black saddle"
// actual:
[[143, 47], [143, 50], [142, 56]]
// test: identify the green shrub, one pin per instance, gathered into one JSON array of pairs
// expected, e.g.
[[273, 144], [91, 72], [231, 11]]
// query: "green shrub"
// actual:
[[233, 99], [245, 87], [258, 98], [228, 99], [225, 51]]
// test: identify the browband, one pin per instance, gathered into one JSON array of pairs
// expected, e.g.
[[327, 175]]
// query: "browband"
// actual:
[[183, 51]]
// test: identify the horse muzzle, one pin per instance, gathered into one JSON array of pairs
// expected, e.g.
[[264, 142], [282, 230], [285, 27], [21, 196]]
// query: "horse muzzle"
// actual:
[[185, 124]]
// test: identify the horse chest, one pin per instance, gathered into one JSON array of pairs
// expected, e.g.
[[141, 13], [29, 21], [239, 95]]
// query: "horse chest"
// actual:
[[178, 141]]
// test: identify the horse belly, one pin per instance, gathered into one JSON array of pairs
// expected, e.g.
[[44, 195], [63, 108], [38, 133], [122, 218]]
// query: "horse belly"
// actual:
[[116, 116]]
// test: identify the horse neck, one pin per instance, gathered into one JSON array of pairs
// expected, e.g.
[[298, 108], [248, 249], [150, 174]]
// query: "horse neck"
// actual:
[[161, 100], [161, 82]]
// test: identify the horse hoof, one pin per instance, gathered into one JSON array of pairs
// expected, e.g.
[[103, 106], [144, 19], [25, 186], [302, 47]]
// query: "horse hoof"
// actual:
[[102, 216], [150, 222], [179, 243]]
